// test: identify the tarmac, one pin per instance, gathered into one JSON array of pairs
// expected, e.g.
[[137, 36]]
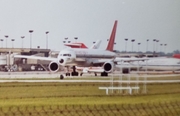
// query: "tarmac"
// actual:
[[99, 81], [28, 77]]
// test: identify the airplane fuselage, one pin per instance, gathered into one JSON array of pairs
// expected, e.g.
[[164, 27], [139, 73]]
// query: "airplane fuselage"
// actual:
[[93, 53], [84, 57]]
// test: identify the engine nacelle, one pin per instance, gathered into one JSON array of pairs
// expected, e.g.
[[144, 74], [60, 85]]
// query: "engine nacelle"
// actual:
[[108, 67], [54, 66]]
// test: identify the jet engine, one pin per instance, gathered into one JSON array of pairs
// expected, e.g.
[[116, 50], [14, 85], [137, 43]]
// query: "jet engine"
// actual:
[[53, 66], [108, 67]]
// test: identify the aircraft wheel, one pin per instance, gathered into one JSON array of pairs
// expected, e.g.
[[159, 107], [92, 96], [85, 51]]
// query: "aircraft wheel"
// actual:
[[102, 74], [95, 74], [72, 74], [81, 74], [67, 74], [125, 71], [77, 73], [61, 77]]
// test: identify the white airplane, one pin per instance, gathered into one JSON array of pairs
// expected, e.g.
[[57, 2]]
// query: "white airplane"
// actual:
[[84, 57], [80, 56]]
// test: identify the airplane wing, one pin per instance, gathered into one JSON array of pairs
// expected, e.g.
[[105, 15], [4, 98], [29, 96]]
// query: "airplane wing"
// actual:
[[118, 59], [36, 57]]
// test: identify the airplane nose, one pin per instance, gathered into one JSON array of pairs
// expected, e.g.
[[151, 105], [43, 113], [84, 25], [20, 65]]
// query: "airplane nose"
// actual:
[[61, 61]]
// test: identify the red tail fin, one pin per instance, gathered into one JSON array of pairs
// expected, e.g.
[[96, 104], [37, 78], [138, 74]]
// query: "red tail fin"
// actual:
[[110, 45]]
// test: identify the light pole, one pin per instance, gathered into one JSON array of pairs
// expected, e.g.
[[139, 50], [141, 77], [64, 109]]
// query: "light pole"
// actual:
[[157, 45], [147, 45], [12, 42], [30, 31], [139, 46], [165, 48], [2, 43], [66, 39], [22, 37], [76, 39], [47, 39], [115, 45], [154, 40], [126, 39], [6, 36], [132, 43], [161, 50]]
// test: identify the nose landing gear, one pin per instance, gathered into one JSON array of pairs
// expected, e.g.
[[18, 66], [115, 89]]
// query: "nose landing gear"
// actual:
[[61, 77]]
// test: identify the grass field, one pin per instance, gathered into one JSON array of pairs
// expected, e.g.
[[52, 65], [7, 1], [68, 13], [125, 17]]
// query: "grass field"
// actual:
[[86, 99]]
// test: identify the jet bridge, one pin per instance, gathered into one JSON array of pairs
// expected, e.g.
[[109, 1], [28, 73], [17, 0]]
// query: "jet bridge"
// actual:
[[22, 64]]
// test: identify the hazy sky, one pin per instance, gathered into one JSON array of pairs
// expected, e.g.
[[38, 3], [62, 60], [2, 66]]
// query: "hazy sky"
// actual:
[[90, 20]]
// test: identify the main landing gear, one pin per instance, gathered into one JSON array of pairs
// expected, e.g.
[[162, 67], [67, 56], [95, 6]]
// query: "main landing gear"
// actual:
[[73, 73], [105, 74], [125, 71], [68, 74]]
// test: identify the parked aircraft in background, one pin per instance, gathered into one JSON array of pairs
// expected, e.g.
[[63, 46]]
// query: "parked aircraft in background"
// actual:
[[82, 45], [156, 64], [160, 64], [176, 56], [77, 45]]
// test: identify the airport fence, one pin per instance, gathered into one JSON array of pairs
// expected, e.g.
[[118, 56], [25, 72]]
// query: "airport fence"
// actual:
[[143, 109]]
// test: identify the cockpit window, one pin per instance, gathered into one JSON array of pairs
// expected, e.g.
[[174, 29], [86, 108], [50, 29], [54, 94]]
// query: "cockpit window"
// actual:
[[67, 55]]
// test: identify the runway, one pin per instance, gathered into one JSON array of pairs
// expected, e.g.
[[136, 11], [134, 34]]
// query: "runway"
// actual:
[[45, 74], [33, 77]]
